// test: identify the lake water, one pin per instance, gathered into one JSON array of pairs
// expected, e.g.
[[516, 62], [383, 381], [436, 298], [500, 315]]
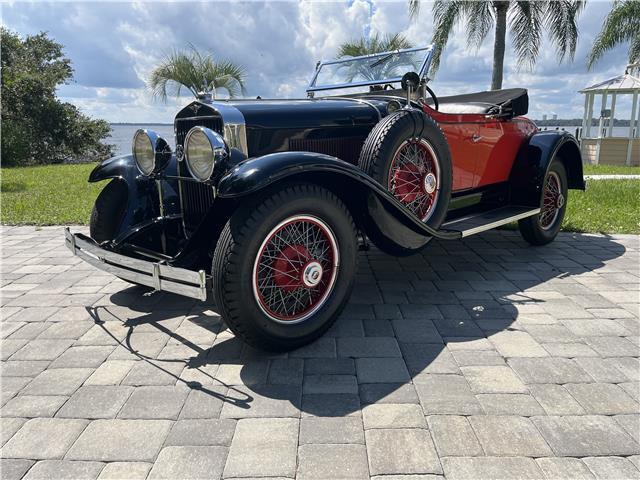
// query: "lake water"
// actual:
[[121, 135]]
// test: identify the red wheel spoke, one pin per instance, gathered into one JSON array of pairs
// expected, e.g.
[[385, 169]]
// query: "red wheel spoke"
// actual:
[[414, 161], [552, 201], [295, 269]]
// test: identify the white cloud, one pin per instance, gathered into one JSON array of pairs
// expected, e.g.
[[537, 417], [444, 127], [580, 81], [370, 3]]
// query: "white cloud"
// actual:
[[114, 46]]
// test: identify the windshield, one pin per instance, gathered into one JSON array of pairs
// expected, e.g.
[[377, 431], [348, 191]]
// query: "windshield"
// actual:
[[376, 69]]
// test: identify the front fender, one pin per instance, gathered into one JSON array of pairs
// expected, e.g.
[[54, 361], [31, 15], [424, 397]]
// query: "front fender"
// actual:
[[532, 163], [367, 199], [142, 192], [122, 167]]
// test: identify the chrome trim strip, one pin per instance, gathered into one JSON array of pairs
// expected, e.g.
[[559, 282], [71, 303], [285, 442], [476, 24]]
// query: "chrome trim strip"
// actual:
[[209, 117], [357, 100], [234, 125], [489, 226], [153, 274]]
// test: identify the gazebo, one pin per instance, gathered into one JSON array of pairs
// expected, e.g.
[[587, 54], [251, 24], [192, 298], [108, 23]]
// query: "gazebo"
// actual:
[[601, 144]]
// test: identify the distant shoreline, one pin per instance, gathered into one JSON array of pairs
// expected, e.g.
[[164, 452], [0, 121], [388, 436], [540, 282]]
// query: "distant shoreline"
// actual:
[[139, 123]]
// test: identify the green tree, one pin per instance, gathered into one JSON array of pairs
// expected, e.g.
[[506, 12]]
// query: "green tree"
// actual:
[[198, 73], [527, 21], [621, 25], [36, 126], [369, 45]]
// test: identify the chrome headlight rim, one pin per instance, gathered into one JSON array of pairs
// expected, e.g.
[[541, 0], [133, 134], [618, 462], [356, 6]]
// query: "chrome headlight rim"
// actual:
[[159, 150], [219, 151]]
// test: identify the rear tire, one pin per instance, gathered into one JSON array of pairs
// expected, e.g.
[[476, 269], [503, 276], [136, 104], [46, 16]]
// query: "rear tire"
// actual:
[[108, 211], [284, 266], [544, 228], [408, 154]]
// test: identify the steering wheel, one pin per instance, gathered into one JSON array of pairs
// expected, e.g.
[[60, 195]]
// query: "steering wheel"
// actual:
[[436, 105], [412, 80]]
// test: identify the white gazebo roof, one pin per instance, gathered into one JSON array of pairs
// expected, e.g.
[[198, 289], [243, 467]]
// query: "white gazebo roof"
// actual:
[[626, 83]]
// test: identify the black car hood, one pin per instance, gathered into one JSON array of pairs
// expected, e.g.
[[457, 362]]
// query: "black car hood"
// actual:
[[306, 113]]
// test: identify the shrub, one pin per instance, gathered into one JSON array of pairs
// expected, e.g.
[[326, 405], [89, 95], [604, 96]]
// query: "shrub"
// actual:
[[38, 128]]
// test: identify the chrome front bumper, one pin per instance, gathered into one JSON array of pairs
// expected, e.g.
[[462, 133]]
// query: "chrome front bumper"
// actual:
[[152, 274]]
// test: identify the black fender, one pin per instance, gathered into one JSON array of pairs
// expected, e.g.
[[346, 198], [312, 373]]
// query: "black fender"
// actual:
[[532, 163], [369, 202], [143, 199]]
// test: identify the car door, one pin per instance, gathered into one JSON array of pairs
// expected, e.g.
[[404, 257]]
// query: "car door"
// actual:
[[460, 137], [497, 147]]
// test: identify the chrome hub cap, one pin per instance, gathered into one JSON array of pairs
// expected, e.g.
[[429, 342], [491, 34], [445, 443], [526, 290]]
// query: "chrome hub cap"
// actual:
[[312, 274], [429, 183]]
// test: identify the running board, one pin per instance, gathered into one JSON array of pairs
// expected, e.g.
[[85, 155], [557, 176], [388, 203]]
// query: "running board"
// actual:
[[480, 222]]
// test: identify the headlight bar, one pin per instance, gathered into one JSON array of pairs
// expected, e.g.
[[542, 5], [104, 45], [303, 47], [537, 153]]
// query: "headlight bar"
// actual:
[[203, 150], [150, 151]]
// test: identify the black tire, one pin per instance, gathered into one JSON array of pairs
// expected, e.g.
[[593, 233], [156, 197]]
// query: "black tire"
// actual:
[[108, 211], [242, 247], [377, 158], [542, 229]]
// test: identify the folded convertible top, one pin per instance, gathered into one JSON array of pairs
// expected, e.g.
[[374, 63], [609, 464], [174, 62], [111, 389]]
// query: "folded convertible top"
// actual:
[[510, 101]]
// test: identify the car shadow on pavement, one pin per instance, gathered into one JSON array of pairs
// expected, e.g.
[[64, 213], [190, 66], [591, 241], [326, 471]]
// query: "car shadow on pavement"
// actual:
[[410, 320]]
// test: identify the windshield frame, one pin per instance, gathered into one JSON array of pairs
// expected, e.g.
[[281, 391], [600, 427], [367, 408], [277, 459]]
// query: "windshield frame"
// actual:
[[422, 73]]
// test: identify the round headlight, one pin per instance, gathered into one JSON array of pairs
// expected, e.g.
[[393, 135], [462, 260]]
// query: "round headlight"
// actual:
[[203, 149], [150, 151]]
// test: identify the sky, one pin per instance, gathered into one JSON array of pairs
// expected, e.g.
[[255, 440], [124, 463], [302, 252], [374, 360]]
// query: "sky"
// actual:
[[115, 45]]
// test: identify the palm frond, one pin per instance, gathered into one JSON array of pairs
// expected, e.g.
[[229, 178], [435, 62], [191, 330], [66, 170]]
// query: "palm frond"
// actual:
[[446, 14], [634, 50], [561, 20], [621, 25], [480, 21], [197, 72], [414, 9], [525, 21], [374, 44]]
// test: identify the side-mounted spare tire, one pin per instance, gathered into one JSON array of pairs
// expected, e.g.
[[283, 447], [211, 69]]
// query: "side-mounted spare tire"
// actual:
[[408, 154], [108, 211]]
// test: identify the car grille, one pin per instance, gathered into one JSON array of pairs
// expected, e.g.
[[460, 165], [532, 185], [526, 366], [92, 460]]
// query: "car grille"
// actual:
[[347, 149], [196, 197]]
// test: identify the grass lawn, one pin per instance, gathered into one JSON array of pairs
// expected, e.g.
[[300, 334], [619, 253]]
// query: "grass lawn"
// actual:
[[610, 170], [60, 194], [48, 195], [607, 206]]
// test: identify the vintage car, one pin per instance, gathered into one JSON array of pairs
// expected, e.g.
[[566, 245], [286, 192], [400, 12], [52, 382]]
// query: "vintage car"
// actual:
[[265, 203]]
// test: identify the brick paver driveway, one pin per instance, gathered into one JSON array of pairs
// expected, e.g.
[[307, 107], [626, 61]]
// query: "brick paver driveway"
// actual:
[[477, 359]]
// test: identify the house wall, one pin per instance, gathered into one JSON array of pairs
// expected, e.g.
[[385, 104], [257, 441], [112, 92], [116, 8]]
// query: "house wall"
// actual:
[[613, 151]]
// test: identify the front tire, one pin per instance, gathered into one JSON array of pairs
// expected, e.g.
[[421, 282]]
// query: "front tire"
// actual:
[[544, 228], [108, 211], [284, 267]]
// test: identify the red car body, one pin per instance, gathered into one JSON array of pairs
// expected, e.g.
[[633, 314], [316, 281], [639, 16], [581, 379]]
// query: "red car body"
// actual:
[[482, 149]]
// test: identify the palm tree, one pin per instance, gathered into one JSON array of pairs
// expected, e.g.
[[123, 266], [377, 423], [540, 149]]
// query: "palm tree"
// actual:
[[197, 72], [527, 21], [369, 46], [374, 44], [621, 25]]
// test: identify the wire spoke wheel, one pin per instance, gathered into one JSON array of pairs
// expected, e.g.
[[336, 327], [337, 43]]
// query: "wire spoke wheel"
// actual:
[[295, 269], [414, 177], [552, 201]]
